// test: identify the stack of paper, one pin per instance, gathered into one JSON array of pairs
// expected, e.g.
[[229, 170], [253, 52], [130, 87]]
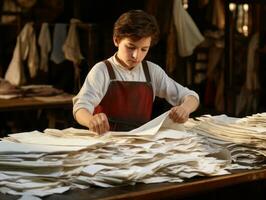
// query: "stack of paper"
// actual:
[[258, 120], [245, 138], [54, 161]]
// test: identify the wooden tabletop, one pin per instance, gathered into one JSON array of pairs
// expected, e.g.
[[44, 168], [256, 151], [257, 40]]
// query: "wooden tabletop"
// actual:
[[160, 191], [164, 190], [25, 103], [138, 191]]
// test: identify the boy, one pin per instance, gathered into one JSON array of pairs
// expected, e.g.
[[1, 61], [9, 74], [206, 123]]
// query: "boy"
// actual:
[[118, 93]]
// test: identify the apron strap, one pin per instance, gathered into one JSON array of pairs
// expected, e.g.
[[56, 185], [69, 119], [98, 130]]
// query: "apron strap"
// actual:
[[110, 69], [146, 71], [112, 73]]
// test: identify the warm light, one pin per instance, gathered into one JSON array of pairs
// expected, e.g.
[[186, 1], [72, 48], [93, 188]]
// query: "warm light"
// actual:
[[232, 6], [185, 4], [245, 30], [245, 7]]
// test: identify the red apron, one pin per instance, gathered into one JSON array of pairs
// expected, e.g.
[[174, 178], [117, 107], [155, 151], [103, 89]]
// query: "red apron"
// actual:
[[127, 104]]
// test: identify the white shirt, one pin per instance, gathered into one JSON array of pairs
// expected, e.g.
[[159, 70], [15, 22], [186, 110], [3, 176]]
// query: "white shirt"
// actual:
[[97, 81]]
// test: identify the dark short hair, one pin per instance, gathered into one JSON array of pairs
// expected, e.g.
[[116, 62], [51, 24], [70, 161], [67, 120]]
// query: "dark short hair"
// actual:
[[137, 24]]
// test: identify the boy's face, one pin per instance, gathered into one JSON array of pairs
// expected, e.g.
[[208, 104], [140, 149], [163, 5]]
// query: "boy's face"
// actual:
[[131, 52]]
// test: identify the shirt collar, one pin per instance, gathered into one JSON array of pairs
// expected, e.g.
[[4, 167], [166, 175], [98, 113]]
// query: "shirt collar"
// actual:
[[115, 61]]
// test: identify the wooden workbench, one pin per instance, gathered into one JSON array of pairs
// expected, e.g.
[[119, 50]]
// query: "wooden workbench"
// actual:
[[26, 103], [245, 184], [52, 106], [242, 185]]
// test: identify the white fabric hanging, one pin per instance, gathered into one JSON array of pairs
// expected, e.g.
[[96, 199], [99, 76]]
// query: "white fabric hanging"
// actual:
[[252, 80], [59, 37], [71, 46], [44, 42], [15, 72], [247, 100], [33, 56], [25, 48], [72, 50], [188, 35]]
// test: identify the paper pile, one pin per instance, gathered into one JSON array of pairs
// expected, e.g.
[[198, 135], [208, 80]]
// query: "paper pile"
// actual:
[[245, 138], [36, 163]]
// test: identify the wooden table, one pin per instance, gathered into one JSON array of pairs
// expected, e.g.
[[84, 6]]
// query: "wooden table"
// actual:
[[52, 106], [26, 103], [243, 185], [191, 189]]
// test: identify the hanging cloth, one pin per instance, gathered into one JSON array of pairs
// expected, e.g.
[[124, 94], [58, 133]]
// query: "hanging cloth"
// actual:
[[33, 56], [15, 71], [59, 37], [72, 50], [44, 42], [25, 48], [247, 100], [252, 80], [188, 35], [71, 47]]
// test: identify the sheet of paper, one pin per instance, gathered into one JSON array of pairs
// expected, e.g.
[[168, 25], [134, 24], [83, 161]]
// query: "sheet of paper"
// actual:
[[36, 137], [11, 147]]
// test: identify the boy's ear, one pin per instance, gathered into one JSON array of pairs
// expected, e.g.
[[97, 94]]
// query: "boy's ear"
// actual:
[[116, 41]]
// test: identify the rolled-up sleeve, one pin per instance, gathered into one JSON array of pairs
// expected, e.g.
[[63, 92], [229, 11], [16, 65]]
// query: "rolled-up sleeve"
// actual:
[[166, 87], [93, 89]]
